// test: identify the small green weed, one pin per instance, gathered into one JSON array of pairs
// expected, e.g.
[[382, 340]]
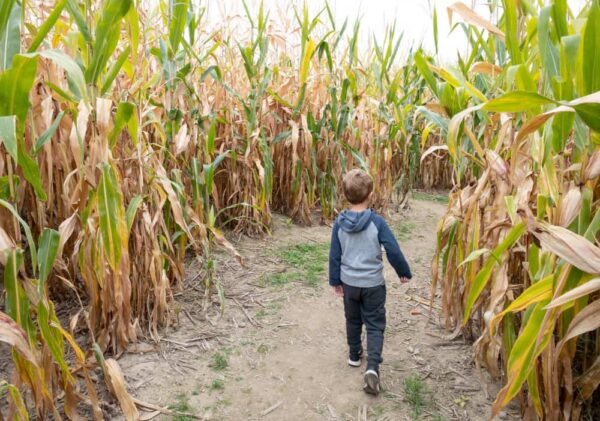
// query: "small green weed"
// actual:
[[220, 361], [181, 405], [217, 384], [417, 394], [430, 197]]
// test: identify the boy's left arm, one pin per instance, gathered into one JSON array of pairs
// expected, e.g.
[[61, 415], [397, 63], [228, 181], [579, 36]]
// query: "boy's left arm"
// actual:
[[392, 249]]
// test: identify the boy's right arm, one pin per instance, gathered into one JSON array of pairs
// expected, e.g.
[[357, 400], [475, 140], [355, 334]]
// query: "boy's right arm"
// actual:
[[335, 257], [392, 249]]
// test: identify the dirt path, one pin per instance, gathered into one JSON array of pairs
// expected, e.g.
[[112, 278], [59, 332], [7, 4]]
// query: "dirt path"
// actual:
[[279, 353]]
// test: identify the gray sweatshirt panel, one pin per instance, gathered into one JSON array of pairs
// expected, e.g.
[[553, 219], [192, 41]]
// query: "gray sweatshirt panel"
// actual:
[[362, 263]]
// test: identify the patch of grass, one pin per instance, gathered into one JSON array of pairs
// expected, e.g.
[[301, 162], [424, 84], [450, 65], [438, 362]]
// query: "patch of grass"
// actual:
[[430, 197], [260, 314], [306, 263], [417, 394], [181, 405], [217, 384], [403, 230], [220, 361]]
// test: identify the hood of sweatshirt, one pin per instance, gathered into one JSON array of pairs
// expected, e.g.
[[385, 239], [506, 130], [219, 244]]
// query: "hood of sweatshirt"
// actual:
[[350, 221]]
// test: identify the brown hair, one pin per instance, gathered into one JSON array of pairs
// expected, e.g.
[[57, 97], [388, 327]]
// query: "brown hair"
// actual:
[[357, 186]]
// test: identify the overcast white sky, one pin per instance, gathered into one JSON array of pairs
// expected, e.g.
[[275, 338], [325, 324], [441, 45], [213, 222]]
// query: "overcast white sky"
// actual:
[[412, 16]]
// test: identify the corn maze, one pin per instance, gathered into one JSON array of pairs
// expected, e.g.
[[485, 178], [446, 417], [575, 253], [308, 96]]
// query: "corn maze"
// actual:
[[135, 132]]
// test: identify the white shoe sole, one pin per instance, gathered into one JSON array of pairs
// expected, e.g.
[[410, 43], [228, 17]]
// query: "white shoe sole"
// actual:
[[371, 382], [354, 363]]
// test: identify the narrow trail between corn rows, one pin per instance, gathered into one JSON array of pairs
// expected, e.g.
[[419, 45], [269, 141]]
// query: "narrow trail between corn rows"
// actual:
[[278, 351]]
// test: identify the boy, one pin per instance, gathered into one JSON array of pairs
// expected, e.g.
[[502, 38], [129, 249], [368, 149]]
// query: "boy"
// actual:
[[356, 272]]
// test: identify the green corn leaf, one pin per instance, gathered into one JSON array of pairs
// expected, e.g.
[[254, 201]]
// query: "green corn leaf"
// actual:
[[16, 84], [179, 10], [132, 210], [210, 138], [589, 59], [524, 352], [31, 170], [8, 135], [106, 36], [52, 336], [516, 102], [17, 303], [8, 185], [126, 116], [549, 52], [10, 32], [47, 25], [47, 135], [425, 70], [485, 272], [114, 70], [25, 226], [75, 12], [133, 22], [47, 250], [6, 8], [511, 27], [113, 226]]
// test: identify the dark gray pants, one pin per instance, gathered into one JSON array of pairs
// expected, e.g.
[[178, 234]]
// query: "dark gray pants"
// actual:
[[365, 305]]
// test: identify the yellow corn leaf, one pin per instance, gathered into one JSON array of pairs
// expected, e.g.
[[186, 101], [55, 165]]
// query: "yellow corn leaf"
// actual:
[[305, 62], [541, 290], [17, 399], [523, 354]]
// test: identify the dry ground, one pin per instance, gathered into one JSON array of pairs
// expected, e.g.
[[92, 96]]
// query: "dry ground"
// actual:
[[278, 351]]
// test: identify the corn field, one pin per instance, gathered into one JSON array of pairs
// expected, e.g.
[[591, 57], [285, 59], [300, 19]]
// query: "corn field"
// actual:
[[132, 133]]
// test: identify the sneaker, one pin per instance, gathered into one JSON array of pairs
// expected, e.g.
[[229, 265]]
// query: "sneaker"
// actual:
[[354, 361], [371, 382]]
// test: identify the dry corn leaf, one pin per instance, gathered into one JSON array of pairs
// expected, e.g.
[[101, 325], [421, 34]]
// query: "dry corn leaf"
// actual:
[[6, 243], [12, 334], [569, 246], [486, 68], [578, 292], [592, 169], [587, 383], [586, 320], [470, 16], [182, 140], [570, 206], [116, 383]]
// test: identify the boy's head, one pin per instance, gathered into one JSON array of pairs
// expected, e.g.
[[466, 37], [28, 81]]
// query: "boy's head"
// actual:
[[357, 186]]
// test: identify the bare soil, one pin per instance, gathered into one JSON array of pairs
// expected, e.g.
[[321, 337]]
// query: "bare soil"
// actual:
[[278, 350]]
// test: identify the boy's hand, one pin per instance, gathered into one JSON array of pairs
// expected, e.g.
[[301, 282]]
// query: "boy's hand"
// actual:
[[338, 291], [403, 280]]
